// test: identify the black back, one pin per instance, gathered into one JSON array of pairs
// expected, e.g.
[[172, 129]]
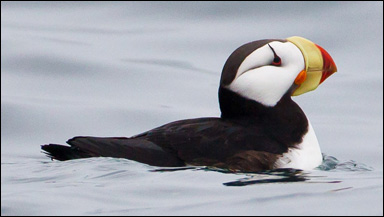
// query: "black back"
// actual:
[[249, 140]]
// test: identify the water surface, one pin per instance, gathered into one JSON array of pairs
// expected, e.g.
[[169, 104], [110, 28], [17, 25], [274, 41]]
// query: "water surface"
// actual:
[[121, 68]]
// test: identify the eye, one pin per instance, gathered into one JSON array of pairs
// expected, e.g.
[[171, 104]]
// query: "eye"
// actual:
[[276, 59]]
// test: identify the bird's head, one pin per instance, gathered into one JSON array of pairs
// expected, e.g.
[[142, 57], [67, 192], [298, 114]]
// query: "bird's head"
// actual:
[[265, 70]]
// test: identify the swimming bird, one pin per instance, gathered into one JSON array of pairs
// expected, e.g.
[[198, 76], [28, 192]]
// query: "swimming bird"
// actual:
[[260, 127]]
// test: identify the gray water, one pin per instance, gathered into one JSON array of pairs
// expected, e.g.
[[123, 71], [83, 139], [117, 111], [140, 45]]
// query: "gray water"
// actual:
[[121, 68]]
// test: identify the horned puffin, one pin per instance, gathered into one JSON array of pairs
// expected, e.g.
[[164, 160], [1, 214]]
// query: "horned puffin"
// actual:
[[260, 128]]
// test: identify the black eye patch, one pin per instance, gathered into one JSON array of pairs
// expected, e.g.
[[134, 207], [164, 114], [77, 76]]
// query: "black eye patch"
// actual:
[[276, 60]]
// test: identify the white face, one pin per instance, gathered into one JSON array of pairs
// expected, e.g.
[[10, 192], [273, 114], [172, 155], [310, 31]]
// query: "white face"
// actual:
[[259, 80]]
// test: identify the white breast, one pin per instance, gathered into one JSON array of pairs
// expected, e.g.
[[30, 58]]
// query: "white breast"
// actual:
[[306, 156]]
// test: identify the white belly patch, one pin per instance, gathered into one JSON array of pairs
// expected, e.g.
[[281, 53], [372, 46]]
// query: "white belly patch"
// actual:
[[306, 156]]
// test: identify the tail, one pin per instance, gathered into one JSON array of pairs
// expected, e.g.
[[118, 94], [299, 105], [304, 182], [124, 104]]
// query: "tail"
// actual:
[[61, 152], [119, 147]]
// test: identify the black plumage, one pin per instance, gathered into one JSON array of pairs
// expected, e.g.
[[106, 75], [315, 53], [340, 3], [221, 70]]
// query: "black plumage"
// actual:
[[248, 136], [249, 141]]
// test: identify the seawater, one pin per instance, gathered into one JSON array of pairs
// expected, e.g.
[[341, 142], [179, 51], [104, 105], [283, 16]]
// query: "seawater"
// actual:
[[108, 186], [121, 68]]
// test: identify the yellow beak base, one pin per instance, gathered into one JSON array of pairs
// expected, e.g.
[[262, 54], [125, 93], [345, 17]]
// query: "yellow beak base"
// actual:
[[318, 65]]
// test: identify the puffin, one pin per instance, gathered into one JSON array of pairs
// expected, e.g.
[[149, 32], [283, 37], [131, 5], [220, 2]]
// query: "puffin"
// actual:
[[260, 128]]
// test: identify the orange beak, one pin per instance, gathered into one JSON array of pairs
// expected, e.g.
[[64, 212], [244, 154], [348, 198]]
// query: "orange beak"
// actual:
[[329, 66], [319, 65]]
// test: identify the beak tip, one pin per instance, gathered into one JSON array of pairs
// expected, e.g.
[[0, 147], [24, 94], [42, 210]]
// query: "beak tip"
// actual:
[[329, 66]]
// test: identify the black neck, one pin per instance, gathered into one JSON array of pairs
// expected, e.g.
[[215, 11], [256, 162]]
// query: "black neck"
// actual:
[[285, 118], [233, 105]]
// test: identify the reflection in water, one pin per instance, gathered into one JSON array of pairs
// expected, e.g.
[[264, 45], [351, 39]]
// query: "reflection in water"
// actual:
[[283, 175], [270, 176]]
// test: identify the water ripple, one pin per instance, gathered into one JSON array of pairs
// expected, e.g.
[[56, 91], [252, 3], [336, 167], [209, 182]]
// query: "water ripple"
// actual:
[[286, 175]]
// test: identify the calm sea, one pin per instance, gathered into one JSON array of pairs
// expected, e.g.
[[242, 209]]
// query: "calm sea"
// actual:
[[121, 68]]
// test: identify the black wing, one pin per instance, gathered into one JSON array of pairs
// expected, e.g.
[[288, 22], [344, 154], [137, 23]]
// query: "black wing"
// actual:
[[118, 147], [202, 141], [235, 144]]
